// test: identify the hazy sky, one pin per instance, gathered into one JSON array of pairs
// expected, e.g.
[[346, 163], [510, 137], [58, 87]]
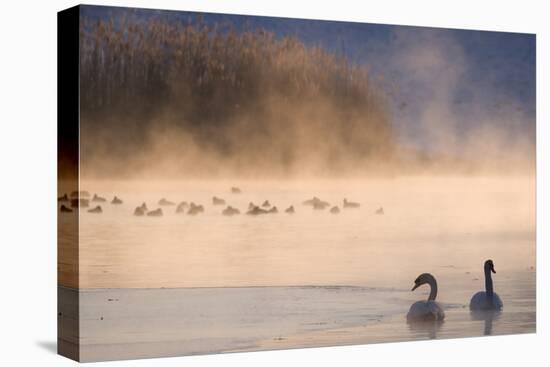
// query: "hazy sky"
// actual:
[[436, 79]]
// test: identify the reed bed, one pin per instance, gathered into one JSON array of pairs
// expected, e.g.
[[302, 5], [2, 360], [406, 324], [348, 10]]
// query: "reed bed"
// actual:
[[233, 93]]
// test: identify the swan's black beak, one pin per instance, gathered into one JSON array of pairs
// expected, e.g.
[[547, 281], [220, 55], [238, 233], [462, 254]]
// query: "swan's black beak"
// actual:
[[415, 286], [493, 269]]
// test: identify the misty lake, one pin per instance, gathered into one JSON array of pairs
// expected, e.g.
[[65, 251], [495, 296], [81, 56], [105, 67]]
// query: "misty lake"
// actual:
[[181, 284]]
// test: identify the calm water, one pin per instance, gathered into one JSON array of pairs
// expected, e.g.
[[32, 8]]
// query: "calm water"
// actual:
[[307, 279]]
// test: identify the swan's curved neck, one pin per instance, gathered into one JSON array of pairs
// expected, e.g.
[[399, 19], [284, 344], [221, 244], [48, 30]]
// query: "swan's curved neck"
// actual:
[[488, 283], [433, 289]]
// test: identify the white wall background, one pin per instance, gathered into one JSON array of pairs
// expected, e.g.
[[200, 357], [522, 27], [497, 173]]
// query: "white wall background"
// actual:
[[28, 181]]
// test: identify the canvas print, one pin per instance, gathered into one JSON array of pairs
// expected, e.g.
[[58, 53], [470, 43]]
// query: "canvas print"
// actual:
[[233, 183]]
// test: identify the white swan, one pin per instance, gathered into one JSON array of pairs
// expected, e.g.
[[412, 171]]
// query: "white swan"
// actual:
[[428, 310], [487, 300]]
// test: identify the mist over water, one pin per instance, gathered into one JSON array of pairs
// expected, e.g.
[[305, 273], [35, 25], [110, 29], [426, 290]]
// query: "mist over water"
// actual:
[[427, 129]]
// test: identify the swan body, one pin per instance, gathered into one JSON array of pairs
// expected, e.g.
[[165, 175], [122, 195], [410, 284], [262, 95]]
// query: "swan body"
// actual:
[[428, 310], [480, 301], [425, 311], [488, 300]]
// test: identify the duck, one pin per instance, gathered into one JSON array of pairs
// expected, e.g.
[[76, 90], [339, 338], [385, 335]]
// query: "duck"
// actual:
[[350, 204], [64, 209], [320, 205], [334, 210], [229, 211], [155, 213], [80, 194], [266, 204], [218, 201], [290, 210], [98, 199], [251, 205], [488, 300], [428, 310], [64, 198], [379, 211], [181, 207], [164, 202], [235, 190], [97, 210], [256, 211], [116, 200], [143, 206], [82, 203], [273, 210], [311, 201], [195, 209], [139, 212]]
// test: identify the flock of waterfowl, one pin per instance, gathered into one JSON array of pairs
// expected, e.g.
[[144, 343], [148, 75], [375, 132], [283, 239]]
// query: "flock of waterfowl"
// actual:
[[430, 310], [81, 199]]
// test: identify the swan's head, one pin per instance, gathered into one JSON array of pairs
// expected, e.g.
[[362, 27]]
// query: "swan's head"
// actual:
[[489, 266], [424, 278]]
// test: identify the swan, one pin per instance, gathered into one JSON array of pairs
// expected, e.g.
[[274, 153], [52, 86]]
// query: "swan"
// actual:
[[290, 209], [335, 210], [428, 310], [487, 300], [380, 211], [266, 204], [350, 204], [273, 210]]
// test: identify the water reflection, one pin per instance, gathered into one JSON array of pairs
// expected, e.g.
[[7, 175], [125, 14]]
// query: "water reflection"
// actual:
[[425, 328], [488, 317]]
